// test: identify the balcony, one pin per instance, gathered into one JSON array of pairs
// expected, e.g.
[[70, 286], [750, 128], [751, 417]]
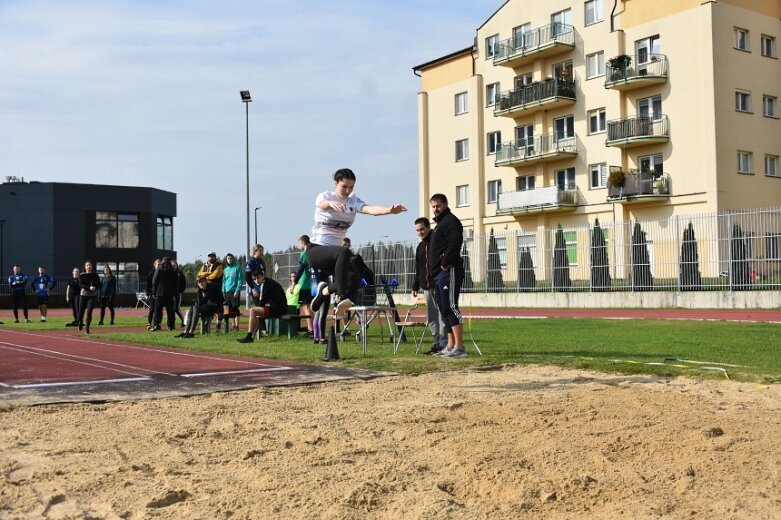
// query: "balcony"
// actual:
[[620, 74], [546, 94], [550, 198], [540, 149], [637, 131], [541, 42], [638, 186]]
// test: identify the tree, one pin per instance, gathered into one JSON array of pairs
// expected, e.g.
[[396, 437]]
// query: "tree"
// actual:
[[527, 280], [740, 272], [561, 278], [600, 265], [468, 284], [494, 280], [690, 277], [642, 279]]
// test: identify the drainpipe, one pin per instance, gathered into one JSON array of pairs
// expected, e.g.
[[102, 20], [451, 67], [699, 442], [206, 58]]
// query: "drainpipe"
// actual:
[[613, 15]]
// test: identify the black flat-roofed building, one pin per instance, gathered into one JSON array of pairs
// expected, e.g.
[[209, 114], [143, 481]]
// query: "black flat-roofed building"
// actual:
[[59, 225]]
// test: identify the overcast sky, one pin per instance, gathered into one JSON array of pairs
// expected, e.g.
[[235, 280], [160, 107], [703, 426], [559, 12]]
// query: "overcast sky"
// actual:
[[146, 93]]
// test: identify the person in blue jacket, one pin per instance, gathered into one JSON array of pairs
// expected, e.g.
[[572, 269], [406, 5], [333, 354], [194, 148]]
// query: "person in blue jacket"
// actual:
[[43, 283], [18, 283]]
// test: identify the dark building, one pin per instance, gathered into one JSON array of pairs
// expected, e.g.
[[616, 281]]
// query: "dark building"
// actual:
[[59, 225]]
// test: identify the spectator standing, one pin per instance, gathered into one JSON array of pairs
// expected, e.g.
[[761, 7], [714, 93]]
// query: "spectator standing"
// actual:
[[208, 302], [255, 265], [108, 291], [72, 296], [181, 288], [303, 278], [232, 281], [18, 283], [272, 303], [212, 270], [43, 283], [424, 282], [89, 287], [150, 293], [166, 287], [446, 269]]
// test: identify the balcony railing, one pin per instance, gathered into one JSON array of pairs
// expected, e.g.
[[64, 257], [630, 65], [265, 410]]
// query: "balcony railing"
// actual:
[[624, 73], [541, 148], [640, 186], [636, 131], [550, 198], [547, 94], [542, 41]]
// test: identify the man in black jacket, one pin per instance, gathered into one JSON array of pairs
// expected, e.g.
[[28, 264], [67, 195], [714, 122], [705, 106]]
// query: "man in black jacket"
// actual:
[[423, 281], [208, 302], [165, 283], [272, 303], [446, 269]]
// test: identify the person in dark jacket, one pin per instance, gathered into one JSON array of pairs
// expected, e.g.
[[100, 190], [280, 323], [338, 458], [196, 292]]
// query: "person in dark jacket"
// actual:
[[89, 286], [424, 282], [271, 304], [150, 292], [208, 302], [446, 269], [72, 297], [165, 284], [182, 287], [108, 290], [18, 283]]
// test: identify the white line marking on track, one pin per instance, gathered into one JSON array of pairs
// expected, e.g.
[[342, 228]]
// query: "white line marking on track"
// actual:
[[76, 383], [229, 372]]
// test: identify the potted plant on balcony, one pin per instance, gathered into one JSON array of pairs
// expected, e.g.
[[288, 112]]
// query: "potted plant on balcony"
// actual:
[[616, 181], [618, 66]]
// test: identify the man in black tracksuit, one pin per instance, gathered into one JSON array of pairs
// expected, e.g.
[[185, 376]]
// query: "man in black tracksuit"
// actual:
[[165, 283], [208, 302], [446, 269], [272, 303], [424, 281]]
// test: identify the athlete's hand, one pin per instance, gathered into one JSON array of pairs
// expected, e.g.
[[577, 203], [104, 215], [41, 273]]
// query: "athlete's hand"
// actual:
[[337, 206]]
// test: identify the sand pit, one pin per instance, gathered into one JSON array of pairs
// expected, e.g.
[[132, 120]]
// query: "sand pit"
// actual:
[[530, 442]]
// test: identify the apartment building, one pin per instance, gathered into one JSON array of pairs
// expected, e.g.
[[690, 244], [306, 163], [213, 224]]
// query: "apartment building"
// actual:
[[566, 111]]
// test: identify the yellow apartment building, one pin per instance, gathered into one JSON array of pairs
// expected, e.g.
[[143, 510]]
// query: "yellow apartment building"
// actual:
[[565, 111]]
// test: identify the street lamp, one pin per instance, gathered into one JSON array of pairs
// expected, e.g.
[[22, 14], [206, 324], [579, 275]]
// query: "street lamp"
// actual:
[[256, 223], [246, 98]]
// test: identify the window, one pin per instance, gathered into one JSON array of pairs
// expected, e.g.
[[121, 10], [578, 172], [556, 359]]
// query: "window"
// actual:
[[650, 108], [771, 165], [493, 142], [598, 175], [491, 44], [524, 139], [165, 233], [494, 189], [768, 46], [565, 179], [596, 121], [744, 162], [522, 80], [501, 247], [748, 244], [594, 11], [571, 243], [651, 163], [595, 65], [561, 22], [563, 70], [742, 101], [564, 128], [769, 104], [528, 243], [491, 94], [741, 39], [462, 195], [522, 36], [461, 103], [525, 183], [771, 246], [126, 273], [116, 230], [462, 150], [646, 49]]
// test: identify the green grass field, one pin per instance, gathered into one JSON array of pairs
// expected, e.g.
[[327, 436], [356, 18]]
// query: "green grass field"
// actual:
[[625, 346]]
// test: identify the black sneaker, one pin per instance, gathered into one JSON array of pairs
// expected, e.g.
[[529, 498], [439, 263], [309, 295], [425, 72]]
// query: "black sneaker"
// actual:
[[246, 339], [319, 298]]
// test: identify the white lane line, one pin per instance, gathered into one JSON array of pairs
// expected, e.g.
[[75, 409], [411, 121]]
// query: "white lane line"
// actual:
[[230, 372], [76, 383]]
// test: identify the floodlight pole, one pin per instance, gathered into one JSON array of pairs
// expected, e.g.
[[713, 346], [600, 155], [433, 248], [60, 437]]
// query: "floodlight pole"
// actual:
[[246, 98], [256, 223]]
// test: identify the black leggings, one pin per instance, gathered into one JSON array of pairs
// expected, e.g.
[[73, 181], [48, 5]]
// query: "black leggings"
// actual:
[[20, 299], [338, 261], [106, 302], [86, 304]]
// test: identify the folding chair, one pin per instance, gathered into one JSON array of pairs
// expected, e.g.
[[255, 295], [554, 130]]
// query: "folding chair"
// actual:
[[408, 322], [142, 299]]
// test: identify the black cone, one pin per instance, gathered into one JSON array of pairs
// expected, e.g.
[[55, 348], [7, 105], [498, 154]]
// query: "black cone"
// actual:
[[331, 349]]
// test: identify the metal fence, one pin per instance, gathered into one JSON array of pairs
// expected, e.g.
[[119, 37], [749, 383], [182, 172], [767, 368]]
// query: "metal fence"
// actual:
[[727, 252]]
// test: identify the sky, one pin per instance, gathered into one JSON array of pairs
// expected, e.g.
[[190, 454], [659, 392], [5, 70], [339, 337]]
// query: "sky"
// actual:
[[146, 93]]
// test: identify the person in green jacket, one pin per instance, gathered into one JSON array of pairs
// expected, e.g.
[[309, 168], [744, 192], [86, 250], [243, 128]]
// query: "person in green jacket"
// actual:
[[303, 278], [232, 282]]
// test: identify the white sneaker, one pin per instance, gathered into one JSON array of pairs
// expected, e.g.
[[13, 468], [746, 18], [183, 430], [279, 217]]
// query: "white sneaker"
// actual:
[[342, 307], [456, 352]]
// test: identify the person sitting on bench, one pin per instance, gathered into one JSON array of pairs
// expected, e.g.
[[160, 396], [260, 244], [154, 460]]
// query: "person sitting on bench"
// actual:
[[208, 302], [272, 303]]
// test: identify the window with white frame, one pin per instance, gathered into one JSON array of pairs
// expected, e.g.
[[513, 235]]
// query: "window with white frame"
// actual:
[[493, 141], [742, 39], [771, 165], [522, 36], [501, 247], [491, 94], [594, 11], [462, 149], [650, 108], [491, 44], [494, 189], [564, 127], [462, 103], [462, 195], [571, 244], [771, 246], [565, 179], [596, 121], [595, 65], [563, 70], [646, 49], [768, 46], [598, 175], [561, 22], [527, 243], [521, 80], [524, 139], [742, 101], [525, 183], [651, 163], [769, 106], [744, 162]]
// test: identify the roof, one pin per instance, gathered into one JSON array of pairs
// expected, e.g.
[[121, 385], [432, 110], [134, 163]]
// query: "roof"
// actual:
[[443, 59]]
